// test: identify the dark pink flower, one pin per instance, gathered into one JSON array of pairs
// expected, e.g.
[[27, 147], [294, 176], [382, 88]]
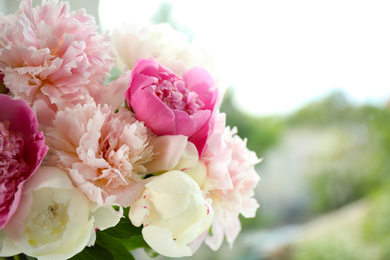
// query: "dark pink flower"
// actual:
[[22, 149], [170, 105]]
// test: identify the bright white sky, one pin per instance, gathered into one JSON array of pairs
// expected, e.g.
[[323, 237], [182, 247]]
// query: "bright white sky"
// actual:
[[281, 54]]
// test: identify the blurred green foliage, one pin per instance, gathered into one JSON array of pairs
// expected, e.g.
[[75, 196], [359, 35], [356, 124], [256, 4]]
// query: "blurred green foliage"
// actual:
[[360, 169], [376, 228], [261, 132], [367, 239], [331, 248], [354, 165], [357, 164]]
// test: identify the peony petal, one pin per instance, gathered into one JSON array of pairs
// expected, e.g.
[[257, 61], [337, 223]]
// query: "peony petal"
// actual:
[[137, 83], [215, 240], [43, 179], [189, 158], [198, 173], [34, 150], [45, 113], [129, 194], [200, 137], [153, 112], [139, 211], [105, 216], [8, 248], [148, 67], [168, 150], [26, 122], [113, 94], [232, 229], [179, 183], [249, 207], [185, 124], [161, 240], [198, 227], [171, 205], [199, 80]]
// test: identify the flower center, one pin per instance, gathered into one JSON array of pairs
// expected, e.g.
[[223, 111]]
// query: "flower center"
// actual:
[[12, 165], [174, 94], [48, 221], [11, 144]]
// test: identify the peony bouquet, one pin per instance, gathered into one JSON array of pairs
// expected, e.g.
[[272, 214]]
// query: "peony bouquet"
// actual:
[[93, 167]]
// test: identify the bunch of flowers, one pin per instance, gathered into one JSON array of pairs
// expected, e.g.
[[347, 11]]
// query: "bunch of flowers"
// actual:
[[94, 170]]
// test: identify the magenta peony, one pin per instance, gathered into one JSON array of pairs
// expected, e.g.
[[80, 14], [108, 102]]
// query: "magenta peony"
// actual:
[[22, 149], [51, 57], [170, 105]]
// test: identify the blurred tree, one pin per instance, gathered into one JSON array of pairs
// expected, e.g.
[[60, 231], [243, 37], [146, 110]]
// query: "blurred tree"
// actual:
[[359, 163], [376, 229], [261, 132]]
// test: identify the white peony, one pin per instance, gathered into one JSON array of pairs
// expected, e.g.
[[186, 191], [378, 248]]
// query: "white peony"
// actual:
[[54, 219], [173, 212], [161, 42]]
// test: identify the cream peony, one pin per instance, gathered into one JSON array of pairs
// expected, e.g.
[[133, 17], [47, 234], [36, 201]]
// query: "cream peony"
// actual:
[[102, 151], [173, 212], [54, 219]]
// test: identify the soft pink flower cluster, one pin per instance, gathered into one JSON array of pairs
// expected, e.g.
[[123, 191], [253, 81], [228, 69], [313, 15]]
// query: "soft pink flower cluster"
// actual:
[[152, 140]]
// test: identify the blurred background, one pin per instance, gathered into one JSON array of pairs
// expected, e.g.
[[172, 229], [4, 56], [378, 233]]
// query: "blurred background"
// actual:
[[308, 85]]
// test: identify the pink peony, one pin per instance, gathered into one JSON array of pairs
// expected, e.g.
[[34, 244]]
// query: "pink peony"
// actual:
[[22, 149], [51, 57], [102, 151], [170, 105], [231, 179]]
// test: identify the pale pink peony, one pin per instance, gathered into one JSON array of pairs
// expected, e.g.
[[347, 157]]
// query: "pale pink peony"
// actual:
[[217, 157], [170, 105], [231, 179], [51, 57], [102, 151], [22, 149]]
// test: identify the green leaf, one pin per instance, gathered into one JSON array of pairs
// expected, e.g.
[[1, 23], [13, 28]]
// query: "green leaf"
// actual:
[[123, 230], [117, 249], [96, 252], [134, 242], [106, 248]]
